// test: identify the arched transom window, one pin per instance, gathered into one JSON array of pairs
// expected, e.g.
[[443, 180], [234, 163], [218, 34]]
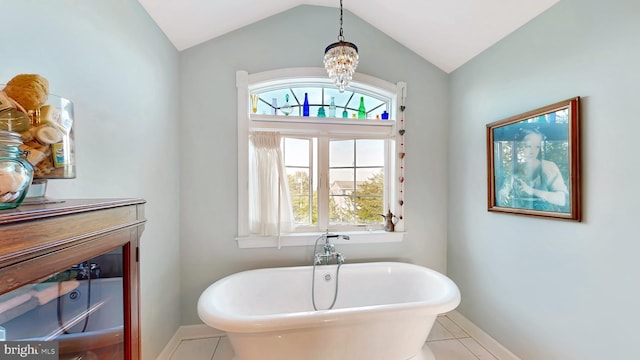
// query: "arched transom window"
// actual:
[[313, 159]]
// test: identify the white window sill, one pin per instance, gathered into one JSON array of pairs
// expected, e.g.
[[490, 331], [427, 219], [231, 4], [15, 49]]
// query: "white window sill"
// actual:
[[320, 120], [308, 239]]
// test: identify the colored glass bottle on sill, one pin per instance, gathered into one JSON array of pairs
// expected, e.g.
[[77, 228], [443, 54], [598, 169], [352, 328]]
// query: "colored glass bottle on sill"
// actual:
[[305, 105], [345, 114], [286, 108], [385, 115], [362, 113], [332, 108]]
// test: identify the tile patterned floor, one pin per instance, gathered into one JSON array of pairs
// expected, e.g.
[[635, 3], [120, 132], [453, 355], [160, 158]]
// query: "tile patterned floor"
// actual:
[[447, 341]]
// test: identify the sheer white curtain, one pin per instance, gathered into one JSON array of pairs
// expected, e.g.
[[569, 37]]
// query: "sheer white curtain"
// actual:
[[270, 211]]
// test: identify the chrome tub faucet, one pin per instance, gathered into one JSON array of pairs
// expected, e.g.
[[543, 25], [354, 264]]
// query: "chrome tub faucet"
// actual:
[[329, 250]]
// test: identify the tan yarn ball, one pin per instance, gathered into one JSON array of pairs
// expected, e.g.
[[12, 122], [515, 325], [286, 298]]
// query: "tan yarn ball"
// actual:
[[29, 90]]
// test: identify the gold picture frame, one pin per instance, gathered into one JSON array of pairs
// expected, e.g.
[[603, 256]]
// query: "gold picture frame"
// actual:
[[533, 162]]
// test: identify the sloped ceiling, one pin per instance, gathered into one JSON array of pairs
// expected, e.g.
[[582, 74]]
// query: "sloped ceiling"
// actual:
[[447, 33]]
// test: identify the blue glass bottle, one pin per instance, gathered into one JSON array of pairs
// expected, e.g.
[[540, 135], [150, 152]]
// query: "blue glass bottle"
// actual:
[[305, 106]]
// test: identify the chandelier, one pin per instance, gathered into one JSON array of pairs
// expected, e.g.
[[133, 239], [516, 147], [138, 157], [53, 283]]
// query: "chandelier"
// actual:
[[341, 59]]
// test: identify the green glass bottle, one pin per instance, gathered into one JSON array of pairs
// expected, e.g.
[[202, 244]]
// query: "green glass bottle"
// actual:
[[362, 113]]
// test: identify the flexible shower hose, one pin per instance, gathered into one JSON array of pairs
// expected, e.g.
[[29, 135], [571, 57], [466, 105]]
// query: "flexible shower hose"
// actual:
[[313, 282]]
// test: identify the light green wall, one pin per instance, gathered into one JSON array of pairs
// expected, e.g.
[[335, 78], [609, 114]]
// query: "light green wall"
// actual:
[[297, 38], [543, 288], [546, 289], [121, 72]]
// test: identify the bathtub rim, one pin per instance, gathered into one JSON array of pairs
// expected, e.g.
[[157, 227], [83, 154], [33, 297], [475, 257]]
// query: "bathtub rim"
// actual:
[[214, 318]]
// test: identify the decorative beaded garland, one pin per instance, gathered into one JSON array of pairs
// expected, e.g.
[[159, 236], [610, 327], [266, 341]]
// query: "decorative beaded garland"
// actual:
[[401, 155]]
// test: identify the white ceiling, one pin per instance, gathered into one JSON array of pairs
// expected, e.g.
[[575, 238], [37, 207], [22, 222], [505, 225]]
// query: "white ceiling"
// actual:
[[446, 33]]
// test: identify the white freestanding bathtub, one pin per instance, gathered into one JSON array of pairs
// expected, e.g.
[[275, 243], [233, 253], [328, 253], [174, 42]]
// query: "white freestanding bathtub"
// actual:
[[384, 311]]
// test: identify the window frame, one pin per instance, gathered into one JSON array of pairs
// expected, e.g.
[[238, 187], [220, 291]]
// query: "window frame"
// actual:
[[323, 186], [322, 128]]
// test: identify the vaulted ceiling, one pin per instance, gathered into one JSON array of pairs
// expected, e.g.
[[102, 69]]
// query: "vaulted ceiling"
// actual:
[[452, 31]]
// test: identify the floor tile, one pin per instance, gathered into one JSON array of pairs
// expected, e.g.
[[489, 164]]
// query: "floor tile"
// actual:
[[450, 350], [477, 349], [452, 327], [195, 349], [427, 353], [447, 341], [224, 351], [439, 332]]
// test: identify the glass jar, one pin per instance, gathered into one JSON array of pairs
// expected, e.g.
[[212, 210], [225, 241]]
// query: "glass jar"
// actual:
[[51, 133], [16, 173], [47, 135]]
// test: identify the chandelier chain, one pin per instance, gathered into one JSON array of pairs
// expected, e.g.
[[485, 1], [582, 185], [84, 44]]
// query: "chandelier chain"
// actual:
[[341, 36]]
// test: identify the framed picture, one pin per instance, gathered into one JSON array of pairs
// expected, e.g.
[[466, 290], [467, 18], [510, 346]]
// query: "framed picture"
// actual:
[[533, 162]]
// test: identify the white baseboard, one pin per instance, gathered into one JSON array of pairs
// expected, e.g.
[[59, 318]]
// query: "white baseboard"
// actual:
[[187, 332], [489, 343]]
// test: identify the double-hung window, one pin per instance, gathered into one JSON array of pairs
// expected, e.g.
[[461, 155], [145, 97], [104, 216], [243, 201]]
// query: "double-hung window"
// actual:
[[312, 159]]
